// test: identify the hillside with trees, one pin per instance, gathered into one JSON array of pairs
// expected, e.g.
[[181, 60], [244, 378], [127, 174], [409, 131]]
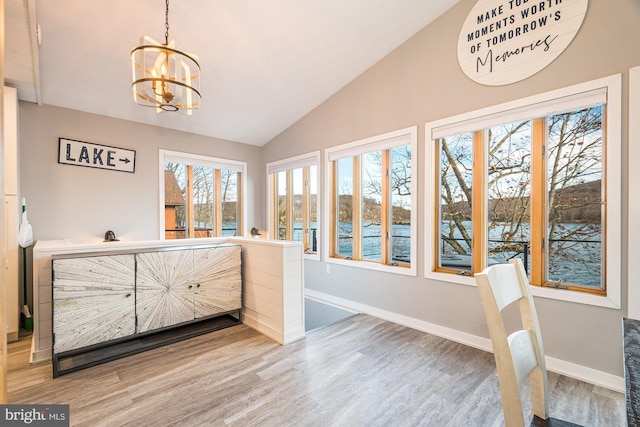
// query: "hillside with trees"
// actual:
[[574, 204], [371, 209]]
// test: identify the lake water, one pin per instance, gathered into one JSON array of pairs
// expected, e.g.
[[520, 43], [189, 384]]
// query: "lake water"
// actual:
[[574, 257], [371, 244], [574, 262]]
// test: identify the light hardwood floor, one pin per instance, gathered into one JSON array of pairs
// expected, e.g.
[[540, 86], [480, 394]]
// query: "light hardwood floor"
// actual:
[[362, 371]]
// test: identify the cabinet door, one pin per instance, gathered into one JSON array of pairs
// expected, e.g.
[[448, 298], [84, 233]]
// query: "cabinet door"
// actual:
[[217, 280], [93, 300], [164, 295]]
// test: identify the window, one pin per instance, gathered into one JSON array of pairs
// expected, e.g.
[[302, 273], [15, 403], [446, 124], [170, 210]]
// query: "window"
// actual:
[[200, 196], [293, 189], [537, 179], [371, 200]]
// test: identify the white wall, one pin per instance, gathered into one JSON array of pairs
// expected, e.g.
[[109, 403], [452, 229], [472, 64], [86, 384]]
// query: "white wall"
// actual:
[[81, 203], [421, 81]]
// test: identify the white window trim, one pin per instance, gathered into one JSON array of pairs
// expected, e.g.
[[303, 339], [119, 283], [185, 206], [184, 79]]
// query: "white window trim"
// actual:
[[200, 160], [633, 248], [308, 159], [613, 86], [407, 136]]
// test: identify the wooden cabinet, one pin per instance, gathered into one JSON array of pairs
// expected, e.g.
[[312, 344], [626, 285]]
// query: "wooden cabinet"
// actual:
[[179, 286], [162, 290], [103, 303], [217, 277], [93, 300]]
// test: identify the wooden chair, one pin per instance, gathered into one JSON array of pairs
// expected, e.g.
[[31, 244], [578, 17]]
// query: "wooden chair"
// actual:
[[520, 353]]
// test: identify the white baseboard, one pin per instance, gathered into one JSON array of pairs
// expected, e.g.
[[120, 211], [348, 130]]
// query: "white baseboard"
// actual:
[[264, 329], [12, 336], [588, 375], [292, 336], [38, 356], [582, 373]]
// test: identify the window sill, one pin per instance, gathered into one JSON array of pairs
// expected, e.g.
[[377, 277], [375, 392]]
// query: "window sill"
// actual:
[[537, 291], [410, 271], [574, 296], [312, 257]]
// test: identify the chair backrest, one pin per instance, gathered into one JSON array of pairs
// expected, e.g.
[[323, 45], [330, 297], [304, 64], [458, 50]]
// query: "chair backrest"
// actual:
[[520, 353]]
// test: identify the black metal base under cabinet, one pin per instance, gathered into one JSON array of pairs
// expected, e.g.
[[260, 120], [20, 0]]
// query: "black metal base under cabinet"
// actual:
[[74, 360]]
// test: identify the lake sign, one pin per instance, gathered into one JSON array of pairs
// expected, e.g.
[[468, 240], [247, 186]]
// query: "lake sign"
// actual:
[[79, 153], [505, 41]]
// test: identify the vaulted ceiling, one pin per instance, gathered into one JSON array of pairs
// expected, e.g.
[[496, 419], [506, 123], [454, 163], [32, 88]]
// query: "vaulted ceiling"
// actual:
[[265, 63]]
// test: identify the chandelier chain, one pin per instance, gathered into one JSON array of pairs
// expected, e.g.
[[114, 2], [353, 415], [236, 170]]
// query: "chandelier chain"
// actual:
[[166, 25]]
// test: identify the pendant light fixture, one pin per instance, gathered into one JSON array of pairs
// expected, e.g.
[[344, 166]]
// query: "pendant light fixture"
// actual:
[[163, 76]]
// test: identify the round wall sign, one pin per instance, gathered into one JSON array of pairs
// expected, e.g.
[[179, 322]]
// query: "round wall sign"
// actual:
[[505, 41]]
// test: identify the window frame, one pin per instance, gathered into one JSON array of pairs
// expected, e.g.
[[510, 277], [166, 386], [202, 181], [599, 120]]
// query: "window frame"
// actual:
[[165, 156], [387, 141], [633, 244], [288, 165], [538, 105]]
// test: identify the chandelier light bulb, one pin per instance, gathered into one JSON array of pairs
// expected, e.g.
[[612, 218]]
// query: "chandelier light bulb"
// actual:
[[164, 77]]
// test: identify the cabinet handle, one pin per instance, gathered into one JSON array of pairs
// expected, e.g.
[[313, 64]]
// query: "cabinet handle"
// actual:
[[198, 285], [128, 295], [190, 286]]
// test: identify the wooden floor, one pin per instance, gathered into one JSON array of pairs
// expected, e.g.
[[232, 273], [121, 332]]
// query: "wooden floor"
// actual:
[[362, 371]]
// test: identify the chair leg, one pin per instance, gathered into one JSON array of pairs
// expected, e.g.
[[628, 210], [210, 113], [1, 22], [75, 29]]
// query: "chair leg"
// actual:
[[539, 393]]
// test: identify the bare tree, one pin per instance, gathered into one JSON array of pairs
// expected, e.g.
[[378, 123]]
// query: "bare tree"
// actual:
[[574, 173], [456, 166], [203, 199], [398, 197], [399, 183], [509, 179], [575, 195]]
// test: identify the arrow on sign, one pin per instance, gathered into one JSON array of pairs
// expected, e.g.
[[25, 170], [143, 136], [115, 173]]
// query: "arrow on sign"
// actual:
[[125, 160]]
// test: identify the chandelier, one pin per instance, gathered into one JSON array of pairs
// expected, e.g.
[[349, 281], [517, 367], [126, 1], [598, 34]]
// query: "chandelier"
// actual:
[[163, 76]]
